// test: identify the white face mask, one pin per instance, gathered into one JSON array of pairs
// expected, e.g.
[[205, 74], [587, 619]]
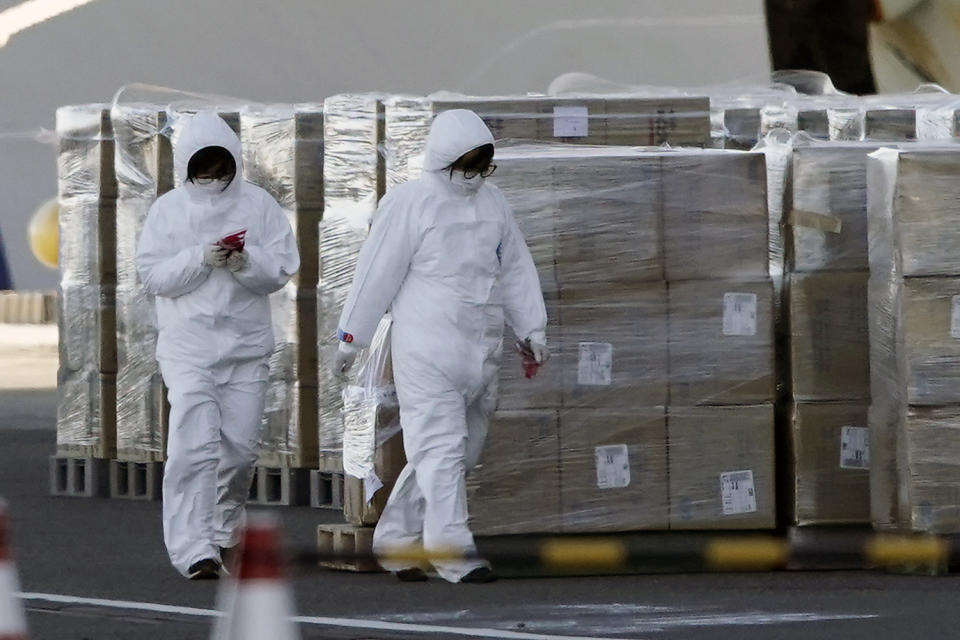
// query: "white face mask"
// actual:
[[214, 188], [466, 185]]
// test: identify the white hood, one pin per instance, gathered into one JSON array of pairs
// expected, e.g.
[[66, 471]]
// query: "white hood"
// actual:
[[205, 129], [453, 134]]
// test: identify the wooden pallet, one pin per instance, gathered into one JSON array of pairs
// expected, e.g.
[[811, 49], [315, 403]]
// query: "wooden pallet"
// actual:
[[79, 477], [326, 490], [136, 480], [347, 539], [280, 486]]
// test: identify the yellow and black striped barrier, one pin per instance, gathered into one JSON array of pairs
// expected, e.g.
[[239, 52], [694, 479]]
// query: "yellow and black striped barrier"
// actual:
[[577, 555]]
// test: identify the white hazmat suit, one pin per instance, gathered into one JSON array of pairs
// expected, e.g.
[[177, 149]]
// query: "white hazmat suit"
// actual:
[[215, 336], [446, 256]]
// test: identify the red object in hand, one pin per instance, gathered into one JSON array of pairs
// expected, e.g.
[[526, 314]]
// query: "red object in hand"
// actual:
[[234, 241], [530, 364]]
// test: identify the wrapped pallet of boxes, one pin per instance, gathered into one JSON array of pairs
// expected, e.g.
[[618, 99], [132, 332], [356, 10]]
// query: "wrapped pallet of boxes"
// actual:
[[914, 315], [144, 161], [827, 282], [721, 347], [591, 120], [283, 153], [354, 182], [87, 198], [591, 218]]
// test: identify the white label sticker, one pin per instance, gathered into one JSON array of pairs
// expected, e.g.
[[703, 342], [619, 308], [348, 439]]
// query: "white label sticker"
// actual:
[[595, 367], [737, 492], [571, 122], [854, 448], [739, 314], [955, 318], [613, 466]]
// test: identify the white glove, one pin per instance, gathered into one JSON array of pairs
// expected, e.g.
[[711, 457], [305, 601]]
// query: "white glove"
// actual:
[[214, 255], [539, 350], [346, 355], [237, 261]]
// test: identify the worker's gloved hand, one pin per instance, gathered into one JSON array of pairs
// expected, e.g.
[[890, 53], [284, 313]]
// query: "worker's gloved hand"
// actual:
[[539, 350], [346, 355], [237, 260], [533, 353], [214, 255]]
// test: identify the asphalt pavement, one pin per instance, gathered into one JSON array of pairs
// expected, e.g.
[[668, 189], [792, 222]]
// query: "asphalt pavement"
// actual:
[[96, 568]]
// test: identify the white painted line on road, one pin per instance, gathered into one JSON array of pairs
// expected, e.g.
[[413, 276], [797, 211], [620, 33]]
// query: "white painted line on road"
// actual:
[[352, 623]]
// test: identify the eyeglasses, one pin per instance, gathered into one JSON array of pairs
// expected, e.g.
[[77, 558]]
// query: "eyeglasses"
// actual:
[[483, 173], [211, 179]]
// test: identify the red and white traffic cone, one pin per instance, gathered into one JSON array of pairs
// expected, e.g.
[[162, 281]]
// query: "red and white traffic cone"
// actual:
[[13, 620], [257, 603]]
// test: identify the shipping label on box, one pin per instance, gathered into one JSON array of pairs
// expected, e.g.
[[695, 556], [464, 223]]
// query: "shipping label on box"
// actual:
[[721, 467], [613, 469], [721, 346]]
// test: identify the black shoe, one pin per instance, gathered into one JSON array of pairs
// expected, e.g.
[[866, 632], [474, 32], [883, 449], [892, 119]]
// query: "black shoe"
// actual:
[[480, 575], [206, 569], [416, 574]]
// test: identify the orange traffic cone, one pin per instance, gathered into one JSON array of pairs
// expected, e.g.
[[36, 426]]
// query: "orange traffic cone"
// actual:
[[257, 603], [13, 621]]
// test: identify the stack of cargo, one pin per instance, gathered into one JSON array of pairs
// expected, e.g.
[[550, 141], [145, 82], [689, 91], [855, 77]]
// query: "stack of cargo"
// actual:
[[283, 153], [594, 120], [655, 410], [827, 481], [144, 162], [914, 297], [87, 193], [721, 342], [354, 179]]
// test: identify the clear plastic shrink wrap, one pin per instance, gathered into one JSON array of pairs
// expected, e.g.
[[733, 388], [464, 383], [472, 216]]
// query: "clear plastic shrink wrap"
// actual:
[[914, 315], [590, 120], [283, 153], [828, 332], [354, 182], [87, 197], [654, 265]]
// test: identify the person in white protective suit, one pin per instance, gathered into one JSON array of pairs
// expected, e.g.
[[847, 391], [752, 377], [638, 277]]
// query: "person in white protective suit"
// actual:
[[215, 335], [446, 256]]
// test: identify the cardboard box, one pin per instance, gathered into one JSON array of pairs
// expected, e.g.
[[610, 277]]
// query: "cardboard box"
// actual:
[[926, 224], [890, 125], [715, 215], [516, 486], [721, 467], [830, 464], [721, 343], [814, 122], [931, 340], [827, 218], [613, 470], [829, 336], [930, 471], [608, 219], [743, 128], [613, 351]]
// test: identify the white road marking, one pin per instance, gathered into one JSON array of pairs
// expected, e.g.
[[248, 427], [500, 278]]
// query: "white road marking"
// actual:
[[330, 622]]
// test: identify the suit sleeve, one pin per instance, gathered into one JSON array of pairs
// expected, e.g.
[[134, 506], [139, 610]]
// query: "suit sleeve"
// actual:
[[523, 305], [165, 270], [275, 259], [382, 267]]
